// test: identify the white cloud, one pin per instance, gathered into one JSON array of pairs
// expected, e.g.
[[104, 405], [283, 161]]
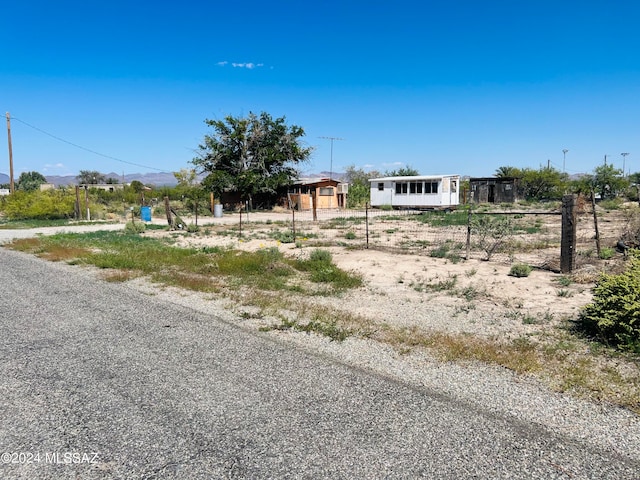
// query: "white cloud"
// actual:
[[249, 65], [56, 166]]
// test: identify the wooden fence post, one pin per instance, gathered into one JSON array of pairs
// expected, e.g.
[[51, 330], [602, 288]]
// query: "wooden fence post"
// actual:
[[595, 222], [76, 208], [568, 240], [167, 209]]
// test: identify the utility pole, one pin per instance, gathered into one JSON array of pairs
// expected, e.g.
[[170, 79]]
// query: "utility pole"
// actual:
[[11, 185], [564, 159], [605, 160], [624, 158]]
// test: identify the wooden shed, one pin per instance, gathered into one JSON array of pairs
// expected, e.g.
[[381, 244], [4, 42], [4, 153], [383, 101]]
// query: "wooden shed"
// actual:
[[494, 190], [328, 193]]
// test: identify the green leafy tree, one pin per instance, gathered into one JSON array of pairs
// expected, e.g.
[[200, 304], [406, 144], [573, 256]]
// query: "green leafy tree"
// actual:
[[137, 186], [582, 185], [189, 188], [407, 171], [544, 184], [186, 177], [253, 155], [359, 187], [30, 181], [508, 172], [608, 181], [90, 177]]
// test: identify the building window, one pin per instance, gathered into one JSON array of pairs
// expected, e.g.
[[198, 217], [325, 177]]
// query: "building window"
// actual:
[[402, 188], [454, 186], [430, 187], [381, 187], [326, 191]]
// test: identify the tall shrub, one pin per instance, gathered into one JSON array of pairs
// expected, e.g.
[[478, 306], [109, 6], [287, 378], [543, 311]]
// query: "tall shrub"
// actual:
[[51, 204]]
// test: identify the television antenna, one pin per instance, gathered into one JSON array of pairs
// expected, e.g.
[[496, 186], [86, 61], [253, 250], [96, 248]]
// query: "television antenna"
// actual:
[[331, 158]]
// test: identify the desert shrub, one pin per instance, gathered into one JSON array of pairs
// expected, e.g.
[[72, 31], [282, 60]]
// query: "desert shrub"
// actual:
[[283, 236], [320, 255], [491, 232], [520, 270], [614, 314], [47, 205], [606, 253], [350, 236], [134, 227], [612, 203]]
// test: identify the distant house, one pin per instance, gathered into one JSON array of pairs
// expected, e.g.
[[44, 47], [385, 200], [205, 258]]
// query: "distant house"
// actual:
[[328, 193], [421, 191], [494, 190], [107, 187]]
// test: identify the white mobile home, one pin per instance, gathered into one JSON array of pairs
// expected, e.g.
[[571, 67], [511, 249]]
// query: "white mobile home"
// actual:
[[422, 191]]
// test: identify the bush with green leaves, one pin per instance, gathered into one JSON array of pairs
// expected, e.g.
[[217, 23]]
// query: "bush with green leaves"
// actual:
[[134, 227], [47, 205], [491, 232], [520, 270], [607, 252], [614, 314]]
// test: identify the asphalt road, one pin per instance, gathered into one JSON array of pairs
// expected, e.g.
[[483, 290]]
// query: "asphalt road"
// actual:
[[99, 381]]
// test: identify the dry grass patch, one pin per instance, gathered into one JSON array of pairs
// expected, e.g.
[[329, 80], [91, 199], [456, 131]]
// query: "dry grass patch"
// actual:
[[120, 276]]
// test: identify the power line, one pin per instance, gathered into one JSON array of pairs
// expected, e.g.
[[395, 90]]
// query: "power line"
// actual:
[[87, 149]]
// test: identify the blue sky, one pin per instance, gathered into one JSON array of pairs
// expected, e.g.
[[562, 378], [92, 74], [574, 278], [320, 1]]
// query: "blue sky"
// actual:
[[443, 86]]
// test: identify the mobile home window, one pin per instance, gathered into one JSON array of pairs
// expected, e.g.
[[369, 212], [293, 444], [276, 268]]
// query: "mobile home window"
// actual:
[[430, 187], [381, 187], [401, 187]]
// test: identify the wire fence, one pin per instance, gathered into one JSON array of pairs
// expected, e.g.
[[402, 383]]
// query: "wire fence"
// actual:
[[505, 236]]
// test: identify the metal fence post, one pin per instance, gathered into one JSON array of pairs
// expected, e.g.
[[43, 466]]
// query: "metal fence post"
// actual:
[[468, 233], [366, 221], [293, 223]]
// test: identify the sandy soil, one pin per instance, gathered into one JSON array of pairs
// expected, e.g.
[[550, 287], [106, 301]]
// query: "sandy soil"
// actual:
[[474, 296]]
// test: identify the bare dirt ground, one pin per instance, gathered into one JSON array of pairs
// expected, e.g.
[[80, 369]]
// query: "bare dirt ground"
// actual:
[[474, 296]]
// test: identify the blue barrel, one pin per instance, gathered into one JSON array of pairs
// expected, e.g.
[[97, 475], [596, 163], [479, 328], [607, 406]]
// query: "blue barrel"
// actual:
[[145, 214]]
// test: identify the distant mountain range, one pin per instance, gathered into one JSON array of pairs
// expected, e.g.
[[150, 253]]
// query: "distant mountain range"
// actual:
[[156, 179], [167, 179]]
